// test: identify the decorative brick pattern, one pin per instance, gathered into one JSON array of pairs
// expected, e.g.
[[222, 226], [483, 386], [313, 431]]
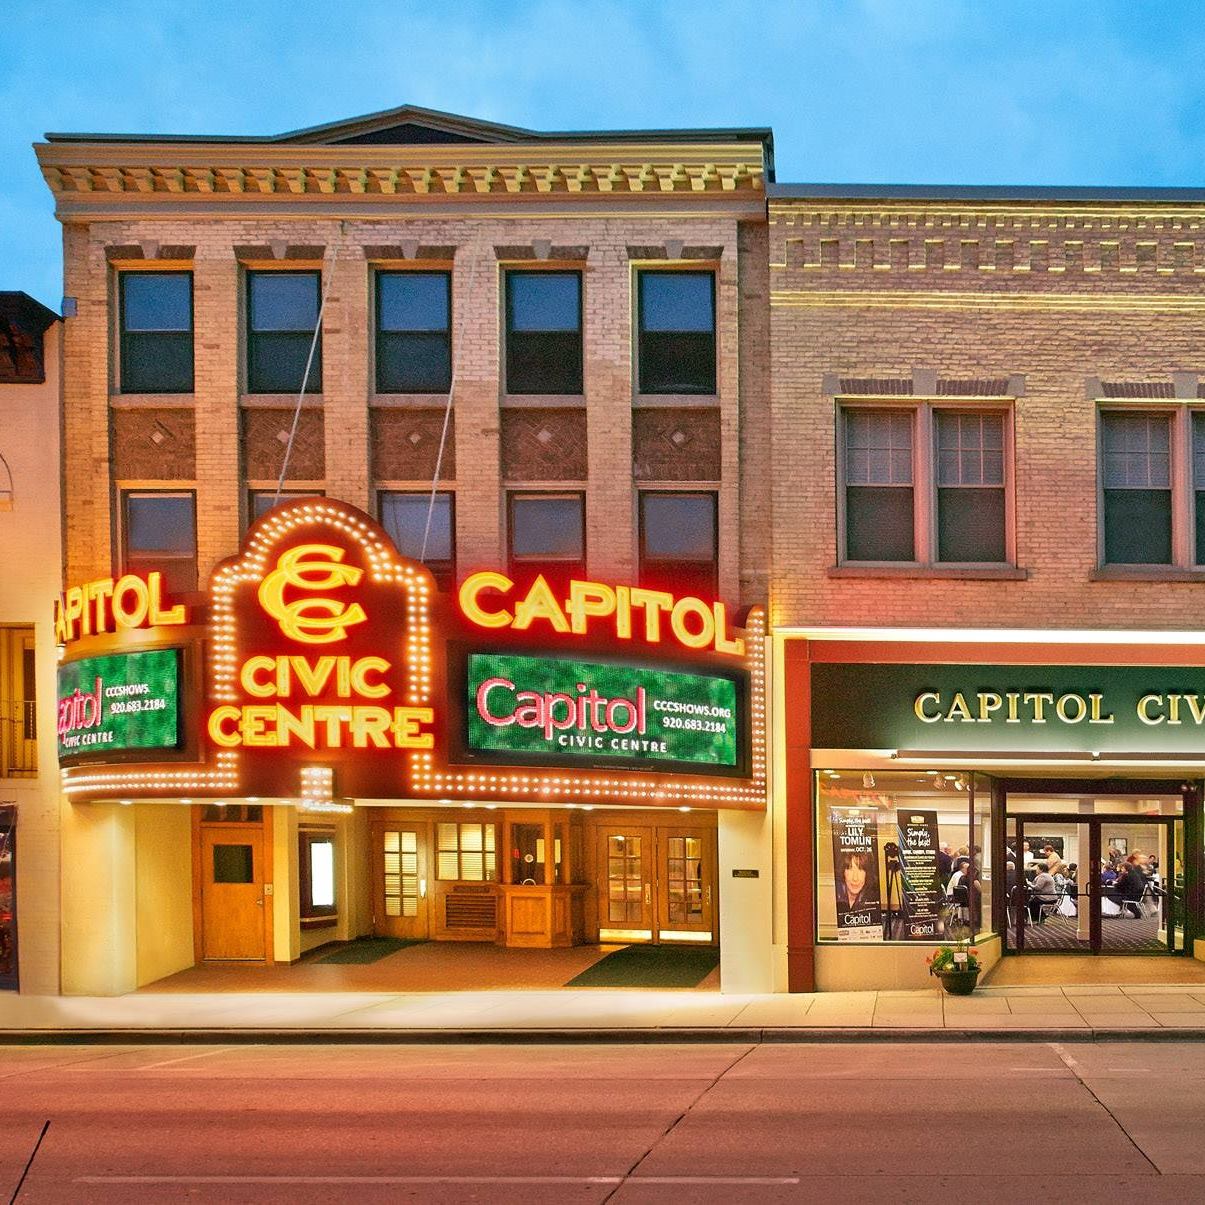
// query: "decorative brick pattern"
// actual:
[[544, 445], [676, 445], [154, 445], [405, 445], [265, 437]]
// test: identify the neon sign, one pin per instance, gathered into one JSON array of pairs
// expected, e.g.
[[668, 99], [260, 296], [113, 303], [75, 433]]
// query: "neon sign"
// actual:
[[629, 612], [110, 605]]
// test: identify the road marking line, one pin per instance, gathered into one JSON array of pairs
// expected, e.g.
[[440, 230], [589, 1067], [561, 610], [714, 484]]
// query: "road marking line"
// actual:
[[205, 1054]]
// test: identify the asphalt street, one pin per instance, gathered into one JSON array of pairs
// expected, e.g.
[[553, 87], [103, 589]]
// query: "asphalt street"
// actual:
[[1026, 1122]]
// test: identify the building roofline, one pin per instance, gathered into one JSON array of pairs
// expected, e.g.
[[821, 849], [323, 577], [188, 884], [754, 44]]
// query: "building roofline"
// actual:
[[977, 192], [17, 303]]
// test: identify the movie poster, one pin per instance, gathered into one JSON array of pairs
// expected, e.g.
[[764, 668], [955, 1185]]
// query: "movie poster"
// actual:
[[914, 889], [856, 874]]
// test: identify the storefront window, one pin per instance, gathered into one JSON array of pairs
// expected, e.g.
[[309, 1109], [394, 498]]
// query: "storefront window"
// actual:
[[316, 859], [467, 852], [902, 856]]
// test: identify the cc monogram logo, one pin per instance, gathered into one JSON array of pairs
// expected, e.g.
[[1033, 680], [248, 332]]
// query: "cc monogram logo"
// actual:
[[311, 620]]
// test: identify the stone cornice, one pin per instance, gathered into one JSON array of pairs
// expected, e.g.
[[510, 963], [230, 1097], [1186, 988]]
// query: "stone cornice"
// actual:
[[232, 173]]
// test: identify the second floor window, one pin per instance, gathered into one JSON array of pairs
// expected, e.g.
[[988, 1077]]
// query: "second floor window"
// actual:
[[282, 311], [159, 532], [970, 487], [678, 542], [414, 337], [259, 502], [156, 345], [404, 514], [547, 535], [676, 313], [1136, 478], [879, 518], [543, 332]]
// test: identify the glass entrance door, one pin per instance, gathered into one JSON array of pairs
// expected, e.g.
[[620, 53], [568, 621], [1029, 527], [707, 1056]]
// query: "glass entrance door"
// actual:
[[1094, 884]]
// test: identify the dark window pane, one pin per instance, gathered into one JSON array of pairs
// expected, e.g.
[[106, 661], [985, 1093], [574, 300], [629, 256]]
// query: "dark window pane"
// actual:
[[276, 363], [550, 363], [412, 301], [156, 332], [413, 363], [283, 301], [546, 528], [233, 864], [1200, 496], [156, 301], [544, 301], [404, 518], [1138, 527], [970, 525], [678, 527], [677, 301], [677, 363], [160, 523], [696, 578], [878, 523]]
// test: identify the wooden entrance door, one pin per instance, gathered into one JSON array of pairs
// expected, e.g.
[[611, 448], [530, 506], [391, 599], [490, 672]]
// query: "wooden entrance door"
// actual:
[[625, 884], [232, 893], [685, 884], [400, 879]]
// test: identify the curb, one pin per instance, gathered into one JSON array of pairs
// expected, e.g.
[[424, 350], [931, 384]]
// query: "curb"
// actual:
[[578, 1037]]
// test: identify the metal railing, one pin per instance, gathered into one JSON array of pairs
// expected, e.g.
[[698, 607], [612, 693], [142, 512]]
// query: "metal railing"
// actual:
[[18, 738]]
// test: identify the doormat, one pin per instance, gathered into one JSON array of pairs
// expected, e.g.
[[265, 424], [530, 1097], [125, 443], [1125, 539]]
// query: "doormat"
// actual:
[[650, 966], [370, 949]]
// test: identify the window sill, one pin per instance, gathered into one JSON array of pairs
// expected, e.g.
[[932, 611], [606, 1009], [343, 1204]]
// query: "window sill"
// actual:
[[1146, 573], [674, 401], [966, 573], [156, 401], [544, 401], [277, 401], [403, 401], [319, 922]]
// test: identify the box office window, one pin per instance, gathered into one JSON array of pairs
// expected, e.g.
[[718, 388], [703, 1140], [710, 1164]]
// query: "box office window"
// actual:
[[159, 533], [156, 343], [678, 541], [466, 852], [414, 332], [888, 847], [1136, 493], [676, 319], [282, 313], [547, 534], [404, 515], [316, 873], [543, 332]]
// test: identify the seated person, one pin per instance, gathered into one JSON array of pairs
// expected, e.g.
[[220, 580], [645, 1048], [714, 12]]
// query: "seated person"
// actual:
[[1041, 891], [1130, 885]]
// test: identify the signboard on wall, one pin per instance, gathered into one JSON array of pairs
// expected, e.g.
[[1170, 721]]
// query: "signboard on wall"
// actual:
[[856, 874], [574, 712], [119, 702], [1010, 708]]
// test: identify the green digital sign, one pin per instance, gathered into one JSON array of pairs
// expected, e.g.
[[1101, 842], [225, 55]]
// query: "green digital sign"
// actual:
[[578, 712], [119, 702]]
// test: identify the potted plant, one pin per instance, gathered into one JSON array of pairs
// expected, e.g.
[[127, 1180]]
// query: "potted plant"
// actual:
[[957, 967]]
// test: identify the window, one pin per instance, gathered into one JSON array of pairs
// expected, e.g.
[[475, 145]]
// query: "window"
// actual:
[[466, 852], [1137, 494], [970, 486], [282, 312], [156, 332], [678, 542], [414, 332], [677, 332], [543, 332], [316, 873], [259, 502], [1198, 478], [925, 485], [404, 517], [159, 532], [547, 535]]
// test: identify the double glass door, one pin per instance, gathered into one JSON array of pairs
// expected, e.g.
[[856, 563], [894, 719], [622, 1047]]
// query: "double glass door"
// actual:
[[1094, 884]]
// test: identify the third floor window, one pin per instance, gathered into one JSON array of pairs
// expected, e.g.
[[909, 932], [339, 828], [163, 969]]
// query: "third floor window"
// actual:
[[414, 332], [156, 346], [676, 313], [282, 312], [543, 332]]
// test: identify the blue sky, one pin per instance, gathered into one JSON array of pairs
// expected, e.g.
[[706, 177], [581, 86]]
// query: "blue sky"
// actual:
[[903, 91]]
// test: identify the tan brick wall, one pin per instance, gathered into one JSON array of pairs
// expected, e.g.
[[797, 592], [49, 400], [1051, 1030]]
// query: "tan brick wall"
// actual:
[[1058, 297]]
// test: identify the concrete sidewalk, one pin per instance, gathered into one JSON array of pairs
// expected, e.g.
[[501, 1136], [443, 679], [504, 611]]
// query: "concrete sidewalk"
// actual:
[[1070, 1012]]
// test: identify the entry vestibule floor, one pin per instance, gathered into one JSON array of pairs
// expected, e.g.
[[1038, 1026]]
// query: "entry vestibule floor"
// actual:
[[1120, 934], [1103, 969], [433, 966]]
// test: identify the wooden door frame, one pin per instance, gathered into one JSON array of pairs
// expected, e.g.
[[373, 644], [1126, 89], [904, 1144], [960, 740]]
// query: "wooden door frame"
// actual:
[[710, 862], [267, 855], [377, 825]]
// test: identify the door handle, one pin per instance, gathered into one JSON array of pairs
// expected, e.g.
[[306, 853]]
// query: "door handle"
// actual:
[[707, 895], [648, 893], [260, 902]]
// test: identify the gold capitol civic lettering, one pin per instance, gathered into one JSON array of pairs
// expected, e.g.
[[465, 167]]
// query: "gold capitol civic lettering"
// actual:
[[311, 620]]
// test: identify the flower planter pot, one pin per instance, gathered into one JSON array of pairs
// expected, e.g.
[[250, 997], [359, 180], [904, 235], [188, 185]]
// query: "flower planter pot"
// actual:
[[958, 983]]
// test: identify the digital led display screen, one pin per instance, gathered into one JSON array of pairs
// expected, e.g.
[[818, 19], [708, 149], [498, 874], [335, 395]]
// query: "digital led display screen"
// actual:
[[119, 702], [579, 711]]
